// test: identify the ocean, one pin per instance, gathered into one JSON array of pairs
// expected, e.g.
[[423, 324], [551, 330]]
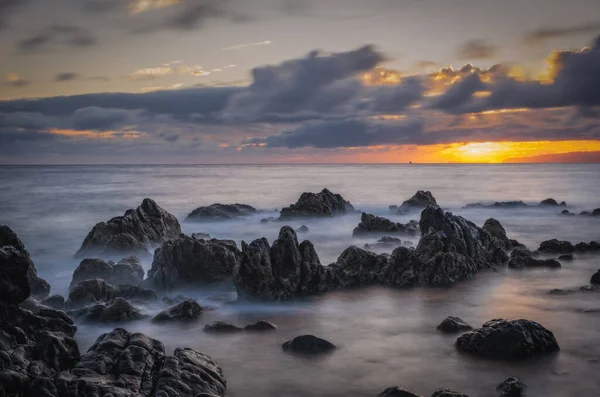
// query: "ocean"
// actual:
[[385, 336]]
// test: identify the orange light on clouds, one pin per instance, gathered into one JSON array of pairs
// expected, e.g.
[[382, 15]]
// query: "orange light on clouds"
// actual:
[[98, 134]]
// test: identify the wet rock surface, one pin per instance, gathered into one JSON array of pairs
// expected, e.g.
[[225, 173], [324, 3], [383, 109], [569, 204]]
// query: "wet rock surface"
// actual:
[[371, 224], [521, 258], [308, 344], [134, 232], [188, 310], [118, 311], [511, 387], [508, 340], [453, 324], [324, 203], [126, 271], [419, 201], [92, 292], [220, 212], [186, 261]]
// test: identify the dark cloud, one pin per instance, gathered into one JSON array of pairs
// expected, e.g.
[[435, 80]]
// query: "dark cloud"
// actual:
[[102, 119], [57, 35], [101, 6], [459, 93], [477, 49], [16, 81], [393, 98], [66, 76], [542, 34], [7, 8]]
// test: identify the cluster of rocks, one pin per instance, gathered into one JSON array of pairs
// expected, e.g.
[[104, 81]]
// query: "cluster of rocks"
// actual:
[[371, 224], [126, 271], [324, 203], [511, 387], [555, 246], [418, 202], [549, 202], [595, 212], [136, 231], [220, 212], [523, 258], [387, 242], [221, 327]]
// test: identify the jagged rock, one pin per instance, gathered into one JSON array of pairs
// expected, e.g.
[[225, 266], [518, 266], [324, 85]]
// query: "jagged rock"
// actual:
[[92, 292], [447, 393], [126, 271], [453, 324], [357, 267], [370, 224], [186, 261], [555, 246], [595, 278], [308, 344], [39, 288], [56, 302], [495, 229], [14, 285], [521, 258], [385, 242], [566, 257], [499, 204], [324, 203], [419, 201], [550, 202], [302, 229], [261, 325], [116, 312], [397, 391], [220, 212], [201, 236], [135, 231], [592, 246], [511, 387], [188, 310], [221, 327], [508, 340]]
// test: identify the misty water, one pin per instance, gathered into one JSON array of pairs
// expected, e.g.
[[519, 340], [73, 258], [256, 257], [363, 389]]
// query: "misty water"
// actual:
[[385, 336]]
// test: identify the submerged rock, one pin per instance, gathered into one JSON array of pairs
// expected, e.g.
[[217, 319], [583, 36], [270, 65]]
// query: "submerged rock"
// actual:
[[261, 325], [221, 327], [385, 242], [187, 261], [397, 391], [188, 310], [324, 203], [595, 278], [371, 224], [555, 246], [508, 340], [126, 271], [592, 246], [92, 292], [453, 324], [302, 229], [566, 257], [521, 258], [135, 231], [220, 212], [511, 387], [308, 344], [118, 311]]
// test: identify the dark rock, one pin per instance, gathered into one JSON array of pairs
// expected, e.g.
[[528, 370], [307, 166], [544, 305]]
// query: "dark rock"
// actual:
[[453, 324], [116, 312], [221, 327], [137, 230], [356, 267], [585, 213], [261, 325], [385, 242], [495, 229], [550, 202], [302, 229], [126, 271], [499, 204], [558, 291], [587, 288], [201, 236], [220, 212], [521, 258], [93, 292], [186, 261], [55, 302], [419, 201], [566, 257], [555, 246], [188, 310], [595, 278], [592, 246], [14, 285], [508, 340], [596, 212], [308, 344], [324, 203], [371, 224], [511, 387], [447, 393], [267, 220], [397, 391]]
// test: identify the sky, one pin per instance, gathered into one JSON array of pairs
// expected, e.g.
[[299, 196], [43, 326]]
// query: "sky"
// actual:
[[299, 81]]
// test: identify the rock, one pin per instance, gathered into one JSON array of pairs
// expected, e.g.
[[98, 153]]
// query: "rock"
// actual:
[[302, 229], [495, 229], [397, 391], [385, 242], [186, 261], [447, 393], [371, 224], [566, 212], [56, 302], [39, 288], [588, 288], [320, 204], [566, 257], [220, 212], [550, 202], [267, 220], [521, 258], [261, 325], [188, 310], [14, 285], [126, 271], [595, 278], [308, 344], [592, 246], [555, 246], [135, 231], [221, 327], [558, 291], [596, 212], [201, 236], [419, 201], [356, 267], [499, 204], [93, 292], [511, 387], [116, 312], [453, 324], [508, 340]]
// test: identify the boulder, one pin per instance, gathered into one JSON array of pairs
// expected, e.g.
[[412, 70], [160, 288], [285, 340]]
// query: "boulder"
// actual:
[[521, 258], [566, 257], [136, 231], [447, 393], [592, 246], [385, 242], [499, 204], [550, 202], [595, 278], [119, 310], [187, 261], [261, 325], [508, 340], [511, 387], [308, 344], [14, 285], [324, 203], [397, 391], [221, 327], [220, 212], [356, 267], [126, 271], [419, 201], [453, 324], [97, 291], [596, 212], [188, 310], [302, 229], [555, 246], [371, 224]]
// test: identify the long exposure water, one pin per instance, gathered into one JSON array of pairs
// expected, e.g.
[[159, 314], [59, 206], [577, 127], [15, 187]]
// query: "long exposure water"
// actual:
[[385, 336]]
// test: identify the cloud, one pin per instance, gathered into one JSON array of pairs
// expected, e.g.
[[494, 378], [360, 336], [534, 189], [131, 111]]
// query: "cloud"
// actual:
[[246, 45], [103, 119], [459, 93], [167, 69], [57, 35], [66, 76], [477, 49], [14, 80], [139, 6], [542, 34], [7, 8]]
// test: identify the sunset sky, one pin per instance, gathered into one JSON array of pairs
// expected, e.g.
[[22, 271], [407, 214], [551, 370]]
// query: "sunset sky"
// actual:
[[299, 81]]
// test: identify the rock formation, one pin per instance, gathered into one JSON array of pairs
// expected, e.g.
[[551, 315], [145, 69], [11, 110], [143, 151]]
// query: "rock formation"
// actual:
[[126, 271], [188, 310], [419, 201], [308, 344], [521, 258], [371, 224], [220, 212], [97, 291], [453, 324], [511, 387], [320, 204], [118, 311]]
